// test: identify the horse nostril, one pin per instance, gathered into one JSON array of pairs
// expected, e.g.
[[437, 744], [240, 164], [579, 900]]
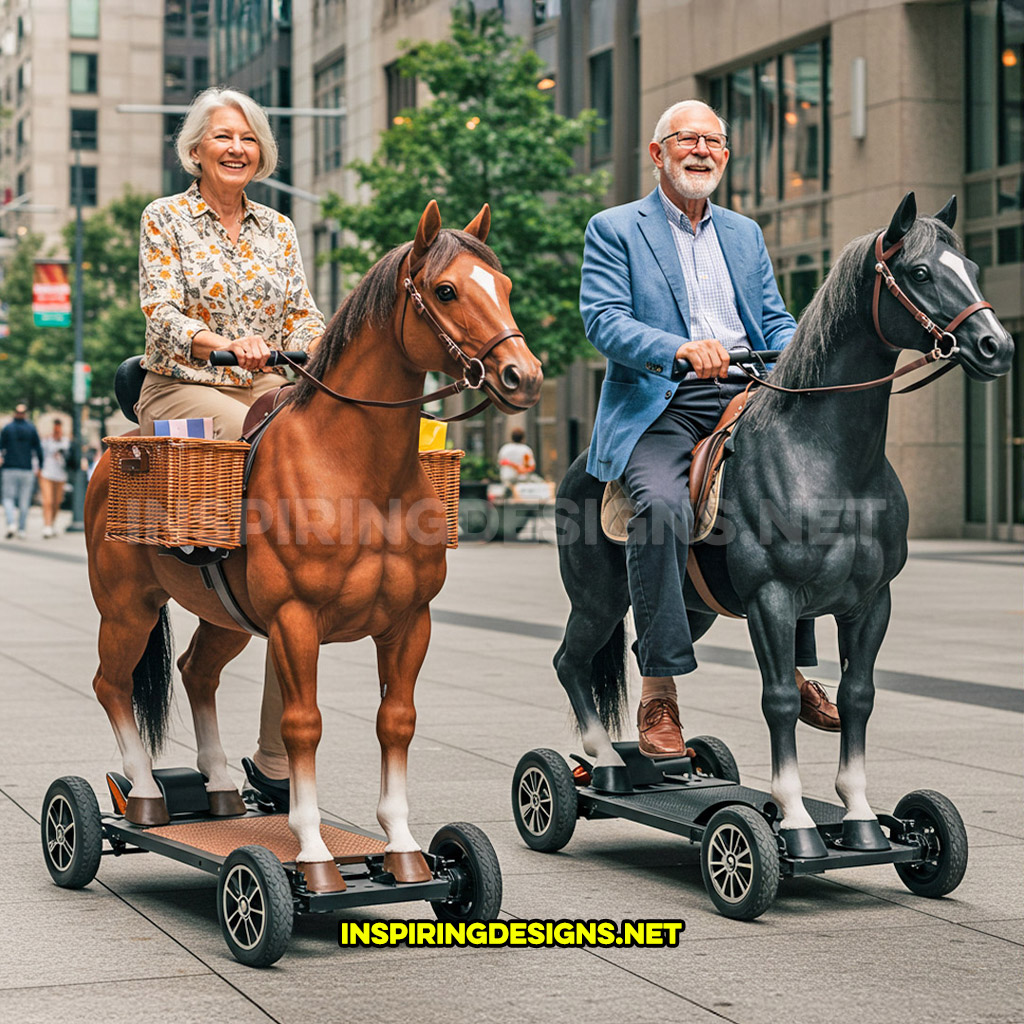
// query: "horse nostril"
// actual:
[[988, 347], [510, 378]]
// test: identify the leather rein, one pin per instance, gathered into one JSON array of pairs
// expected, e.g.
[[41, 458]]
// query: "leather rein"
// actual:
[[945, 340], [474, 372]]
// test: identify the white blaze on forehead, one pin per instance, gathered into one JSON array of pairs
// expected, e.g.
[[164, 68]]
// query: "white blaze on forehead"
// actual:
[[485, 279], [957, 265]]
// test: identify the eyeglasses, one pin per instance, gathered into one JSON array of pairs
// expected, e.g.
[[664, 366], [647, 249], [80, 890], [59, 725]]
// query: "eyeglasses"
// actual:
[[688, 140]]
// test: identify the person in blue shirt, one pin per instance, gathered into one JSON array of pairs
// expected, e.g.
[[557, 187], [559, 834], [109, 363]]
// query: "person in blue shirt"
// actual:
[[22, 456], [669, 277]]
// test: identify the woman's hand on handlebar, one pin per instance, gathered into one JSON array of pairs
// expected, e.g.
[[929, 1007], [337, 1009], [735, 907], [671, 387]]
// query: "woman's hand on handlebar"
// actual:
[[251, 352]]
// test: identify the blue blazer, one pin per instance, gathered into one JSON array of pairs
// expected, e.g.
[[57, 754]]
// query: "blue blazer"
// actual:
[[635, 311]]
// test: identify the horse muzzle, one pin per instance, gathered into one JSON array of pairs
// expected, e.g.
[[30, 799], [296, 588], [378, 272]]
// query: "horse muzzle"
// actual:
[[987, 357]]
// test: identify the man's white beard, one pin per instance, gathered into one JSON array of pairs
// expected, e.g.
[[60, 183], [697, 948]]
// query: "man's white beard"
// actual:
[[692, 187]]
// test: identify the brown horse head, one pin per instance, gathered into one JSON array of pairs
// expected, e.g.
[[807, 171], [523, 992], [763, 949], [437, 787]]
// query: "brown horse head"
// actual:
[[466, 295]]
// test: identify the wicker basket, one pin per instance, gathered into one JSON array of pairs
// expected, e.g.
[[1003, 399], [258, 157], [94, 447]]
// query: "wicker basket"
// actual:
[[442, 467], [175, 491]]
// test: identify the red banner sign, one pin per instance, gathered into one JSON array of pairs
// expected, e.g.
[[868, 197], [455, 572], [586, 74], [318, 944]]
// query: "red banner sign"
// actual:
[[51, 294]]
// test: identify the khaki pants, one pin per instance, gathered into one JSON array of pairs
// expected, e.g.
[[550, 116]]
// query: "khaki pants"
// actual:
[[168, 398]]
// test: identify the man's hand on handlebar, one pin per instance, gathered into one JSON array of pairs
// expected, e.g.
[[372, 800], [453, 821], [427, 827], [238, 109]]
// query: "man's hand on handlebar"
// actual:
[[707, 356]]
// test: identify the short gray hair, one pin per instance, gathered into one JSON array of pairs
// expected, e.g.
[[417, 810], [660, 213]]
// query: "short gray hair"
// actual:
[[661, 128], [197, 121]]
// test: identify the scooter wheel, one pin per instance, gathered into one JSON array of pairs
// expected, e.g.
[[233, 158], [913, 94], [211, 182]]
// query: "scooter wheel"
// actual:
[[254, 906], [544, 801], [72, 832], [739, 861], [934, 818]]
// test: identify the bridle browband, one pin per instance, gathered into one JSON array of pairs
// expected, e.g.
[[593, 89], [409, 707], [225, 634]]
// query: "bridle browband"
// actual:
[[474, 372], [945, 340]]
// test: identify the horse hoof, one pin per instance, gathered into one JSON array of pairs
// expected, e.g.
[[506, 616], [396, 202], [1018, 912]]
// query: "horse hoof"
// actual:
[[225, 803], [864, 835], [146, 810], [803, 843], [407, 866], [322, 876], [611, 778]]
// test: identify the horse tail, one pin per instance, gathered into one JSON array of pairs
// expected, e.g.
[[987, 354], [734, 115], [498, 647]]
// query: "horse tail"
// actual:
[[151, 685], [608, 679]]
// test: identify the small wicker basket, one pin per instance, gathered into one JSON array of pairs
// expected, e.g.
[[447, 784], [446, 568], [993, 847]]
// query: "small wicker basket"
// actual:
[[175, 491], [442, 468]]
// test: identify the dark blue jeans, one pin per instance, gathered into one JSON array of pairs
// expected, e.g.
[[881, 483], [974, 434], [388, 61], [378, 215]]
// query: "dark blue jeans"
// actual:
[[657, 479]]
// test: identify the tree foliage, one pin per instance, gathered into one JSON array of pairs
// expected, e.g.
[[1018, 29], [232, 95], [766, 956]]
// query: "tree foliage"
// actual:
[[36, 362], [487, 135]]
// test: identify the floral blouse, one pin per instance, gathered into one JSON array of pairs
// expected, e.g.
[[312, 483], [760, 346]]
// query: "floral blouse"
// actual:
[[193, 278]]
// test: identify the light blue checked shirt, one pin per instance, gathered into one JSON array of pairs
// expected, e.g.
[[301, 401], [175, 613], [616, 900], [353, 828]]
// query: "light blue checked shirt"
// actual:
[[713, 312]]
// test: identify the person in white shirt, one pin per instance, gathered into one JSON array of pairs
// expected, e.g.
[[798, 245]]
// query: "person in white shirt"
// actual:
[[53, 476], [515, 459]]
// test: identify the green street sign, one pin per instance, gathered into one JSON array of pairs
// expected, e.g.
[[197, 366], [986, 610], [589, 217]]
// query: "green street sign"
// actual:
[[51, 319]]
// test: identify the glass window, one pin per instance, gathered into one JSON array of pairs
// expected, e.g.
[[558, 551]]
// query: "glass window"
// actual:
[[1010, 244], [601, 101], [83, 129], [84, 19], [200, 18], [601, 24], [174, 73], [801, 122], [1011, 81], [88, 179], [174, 17], [330, 94], [767, 131], [739, 111], [200, 73], [84, 72], [981, 98], [401, 92]]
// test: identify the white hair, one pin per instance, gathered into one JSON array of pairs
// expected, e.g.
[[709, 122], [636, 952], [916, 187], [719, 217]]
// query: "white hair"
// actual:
[[661, 128], [197, 122]]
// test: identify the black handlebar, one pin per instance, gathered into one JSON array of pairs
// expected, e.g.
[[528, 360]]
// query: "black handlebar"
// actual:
[[223, 357], [736, 356]]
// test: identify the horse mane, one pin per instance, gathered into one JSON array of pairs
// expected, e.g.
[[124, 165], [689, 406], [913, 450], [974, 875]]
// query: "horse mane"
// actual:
[[833, 307], [373, 300]]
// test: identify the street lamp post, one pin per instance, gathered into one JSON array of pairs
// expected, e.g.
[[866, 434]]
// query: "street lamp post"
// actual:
[[78, 376]]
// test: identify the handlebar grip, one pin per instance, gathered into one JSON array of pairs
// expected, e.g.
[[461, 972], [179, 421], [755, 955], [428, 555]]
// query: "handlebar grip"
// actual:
[[737, 356], [223, 357]]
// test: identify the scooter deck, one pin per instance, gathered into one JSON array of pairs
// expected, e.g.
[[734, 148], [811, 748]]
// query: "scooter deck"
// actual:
[[205, 843]]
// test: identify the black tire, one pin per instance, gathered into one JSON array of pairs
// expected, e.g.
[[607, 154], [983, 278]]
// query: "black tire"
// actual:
[[544, 802], [714, 758], [72, 832], [739, 862], [254, 906], [475, 872], [934, 816]]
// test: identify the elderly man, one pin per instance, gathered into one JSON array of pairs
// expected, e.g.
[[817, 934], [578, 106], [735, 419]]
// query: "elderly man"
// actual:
[[675, 277]]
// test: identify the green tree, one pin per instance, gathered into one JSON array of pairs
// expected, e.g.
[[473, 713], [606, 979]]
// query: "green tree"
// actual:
[[37, 362], [487, 135]]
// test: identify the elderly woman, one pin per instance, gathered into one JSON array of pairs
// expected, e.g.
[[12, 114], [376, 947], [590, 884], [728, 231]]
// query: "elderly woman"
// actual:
[[218, 271]]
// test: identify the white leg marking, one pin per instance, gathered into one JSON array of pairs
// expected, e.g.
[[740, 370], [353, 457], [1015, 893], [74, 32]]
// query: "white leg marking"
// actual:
[[851, 785], [211, 759], [393, 808], [598, 745], [787, 792], [304, 820], [135, 762]]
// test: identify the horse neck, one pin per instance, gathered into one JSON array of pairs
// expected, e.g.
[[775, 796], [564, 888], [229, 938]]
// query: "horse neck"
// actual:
[[854, 423], [371, 366]]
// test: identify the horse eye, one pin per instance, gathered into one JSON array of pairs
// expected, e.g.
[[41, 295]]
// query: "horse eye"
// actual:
[[445, 292], [920, 274]]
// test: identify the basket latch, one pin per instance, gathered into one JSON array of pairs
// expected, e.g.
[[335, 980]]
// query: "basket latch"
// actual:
[[138, 462]]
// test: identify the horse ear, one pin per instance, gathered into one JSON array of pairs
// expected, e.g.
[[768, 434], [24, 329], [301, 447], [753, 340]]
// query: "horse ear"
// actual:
[[480, 225], [426, 233], [948, 213], [902, 220]]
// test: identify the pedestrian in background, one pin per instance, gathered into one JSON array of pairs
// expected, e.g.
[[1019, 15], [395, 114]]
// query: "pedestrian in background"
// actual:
[[53, 476], [22, 456], [515, 459]]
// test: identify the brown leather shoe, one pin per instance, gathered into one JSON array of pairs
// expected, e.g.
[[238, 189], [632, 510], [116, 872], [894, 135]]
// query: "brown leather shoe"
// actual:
[[661, 735], [816, 710]]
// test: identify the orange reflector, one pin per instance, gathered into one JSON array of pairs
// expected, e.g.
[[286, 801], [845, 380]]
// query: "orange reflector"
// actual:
[[580, 775], [116, 795]]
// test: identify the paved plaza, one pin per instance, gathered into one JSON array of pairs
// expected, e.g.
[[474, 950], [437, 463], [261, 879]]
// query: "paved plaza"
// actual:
[[142, 942]]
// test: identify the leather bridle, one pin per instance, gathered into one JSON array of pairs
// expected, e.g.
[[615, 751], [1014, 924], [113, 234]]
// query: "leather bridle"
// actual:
[[945, 340], [474, 372]]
